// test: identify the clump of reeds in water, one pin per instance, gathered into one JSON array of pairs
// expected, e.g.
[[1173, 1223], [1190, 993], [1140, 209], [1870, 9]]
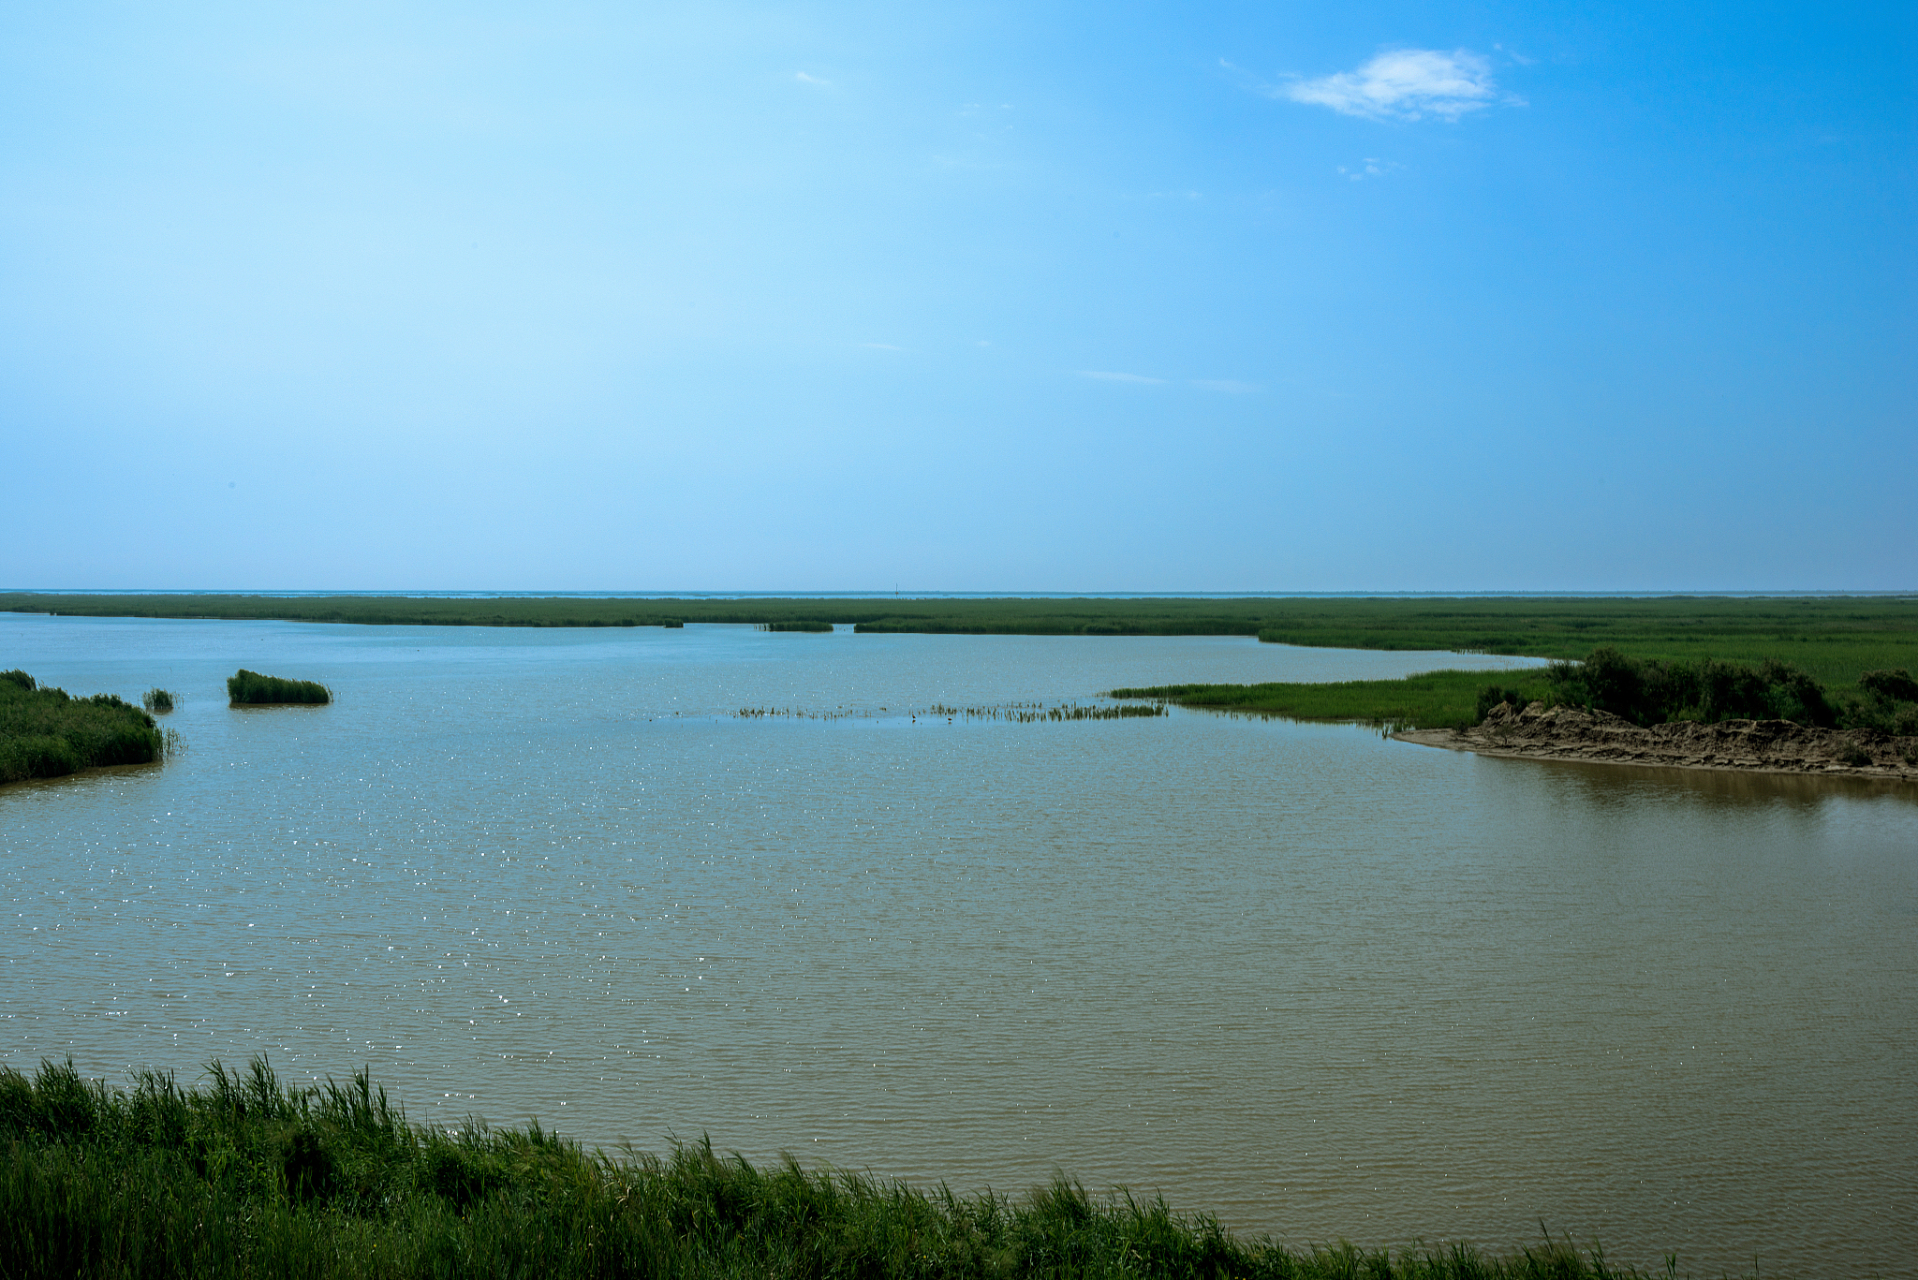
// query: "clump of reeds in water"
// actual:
[[157, 700], [44, 733], [251, 689], [796, 624]]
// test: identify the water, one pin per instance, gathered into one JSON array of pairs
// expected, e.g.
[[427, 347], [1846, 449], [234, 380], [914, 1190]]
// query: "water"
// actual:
[[1323, 984]]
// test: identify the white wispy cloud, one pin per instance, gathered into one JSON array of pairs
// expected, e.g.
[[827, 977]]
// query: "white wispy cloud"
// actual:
[[880, 346], [815, 81], [1404, 84], [1371, 167], [1140, 379], [1231, 386]]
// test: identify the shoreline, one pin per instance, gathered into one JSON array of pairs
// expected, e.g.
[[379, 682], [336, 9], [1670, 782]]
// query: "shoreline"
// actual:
[[1733, 746]]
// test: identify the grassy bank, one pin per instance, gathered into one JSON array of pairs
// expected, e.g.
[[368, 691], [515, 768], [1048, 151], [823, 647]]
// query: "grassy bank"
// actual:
[[44, 733], [1645, 691], [249, 1177], [251, 689], [1834, 638]]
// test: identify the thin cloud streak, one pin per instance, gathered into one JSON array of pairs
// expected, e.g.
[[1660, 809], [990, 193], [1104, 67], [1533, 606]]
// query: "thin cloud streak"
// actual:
[[1404, 84], [1137, 379]]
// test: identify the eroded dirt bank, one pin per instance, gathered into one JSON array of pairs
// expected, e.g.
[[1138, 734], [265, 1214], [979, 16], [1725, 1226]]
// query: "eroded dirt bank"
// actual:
[[1772, 746]]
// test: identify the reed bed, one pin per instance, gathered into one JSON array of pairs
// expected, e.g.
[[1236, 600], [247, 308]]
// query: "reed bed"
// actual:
[[251, 689], [158, 701], [797, 624], [1834, 638], [249, 1176], [45, 733]]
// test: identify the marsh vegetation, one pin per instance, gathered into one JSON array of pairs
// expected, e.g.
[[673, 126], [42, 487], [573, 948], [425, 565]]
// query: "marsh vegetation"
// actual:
[[251, 689], [250, 1176], [45, 733], [1833, 638], [1644, 691]]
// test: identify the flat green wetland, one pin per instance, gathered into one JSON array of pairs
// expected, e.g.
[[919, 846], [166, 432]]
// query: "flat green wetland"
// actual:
[[1833, 637]]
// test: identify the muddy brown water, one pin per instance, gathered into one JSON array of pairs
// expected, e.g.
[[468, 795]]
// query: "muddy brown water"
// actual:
[[1321, 984]]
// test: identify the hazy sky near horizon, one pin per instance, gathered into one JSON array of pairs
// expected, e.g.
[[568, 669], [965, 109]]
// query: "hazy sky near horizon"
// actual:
[[981, 296]]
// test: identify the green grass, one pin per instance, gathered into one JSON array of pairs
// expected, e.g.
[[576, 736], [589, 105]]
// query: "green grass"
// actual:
[[251, 689], [44, 733], [251, 1177], [157, 700], [1645, 691], [1432, 700]]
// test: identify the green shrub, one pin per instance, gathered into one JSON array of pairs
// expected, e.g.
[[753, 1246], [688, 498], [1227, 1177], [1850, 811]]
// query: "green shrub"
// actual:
[[1647, 691], [1890, 704], [1493, 695]]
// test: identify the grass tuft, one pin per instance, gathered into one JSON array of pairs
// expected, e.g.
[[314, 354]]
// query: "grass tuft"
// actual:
[[157, 700]]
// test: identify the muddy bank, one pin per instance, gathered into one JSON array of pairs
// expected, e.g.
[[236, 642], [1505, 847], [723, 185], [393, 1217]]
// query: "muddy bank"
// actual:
[[1770, 746]]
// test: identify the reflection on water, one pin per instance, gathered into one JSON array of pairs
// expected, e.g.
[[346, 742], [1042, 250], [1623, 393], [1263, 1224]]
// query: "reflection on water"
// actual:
[[1325, 984]]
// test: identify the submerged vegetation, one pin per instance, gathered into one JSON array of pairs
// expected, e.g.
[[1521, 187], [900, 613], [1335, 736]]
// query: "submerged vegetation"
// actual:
[[44, 733], [249, 1176], [1014, 713], [251, 689]]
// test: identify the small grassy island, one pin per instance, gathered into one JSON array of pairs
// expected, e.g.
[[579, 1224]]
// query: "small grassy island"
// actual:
[[251, 689], [45, 733], [251, 1177]]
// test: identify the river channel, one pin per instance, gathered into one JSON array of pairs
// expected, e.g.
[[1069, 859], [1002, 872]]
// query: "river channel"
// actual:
[[1320, 983]]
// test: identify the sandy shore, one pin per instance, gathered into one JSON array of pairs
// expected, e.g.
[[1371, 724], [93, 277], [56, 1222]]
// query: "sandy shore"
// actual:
[[1759, 746]]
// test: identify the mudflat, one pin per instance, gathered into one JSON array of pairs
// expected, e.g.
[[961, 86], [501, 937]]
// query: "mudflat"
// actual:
[[1768, 746]]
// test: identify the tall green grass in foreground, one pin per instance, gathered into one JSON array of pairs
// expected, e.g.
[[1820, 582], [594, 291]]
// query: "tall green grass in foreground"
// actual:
[[45, 733], [251, 689], [249, 1177]]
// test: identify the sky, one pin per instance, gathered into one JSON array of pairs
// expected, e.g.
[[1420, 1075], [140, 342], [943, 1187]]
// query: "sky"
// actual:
[[959, 296]]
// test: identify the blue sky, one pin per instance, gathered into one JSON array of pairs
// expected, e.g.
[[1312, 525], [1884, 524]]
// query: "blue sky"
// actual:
[[959, 296]]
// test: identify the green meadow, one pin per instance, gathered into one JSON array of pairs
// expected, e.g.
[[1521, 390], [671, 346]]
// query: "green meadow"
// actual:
[[248, 1176]]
